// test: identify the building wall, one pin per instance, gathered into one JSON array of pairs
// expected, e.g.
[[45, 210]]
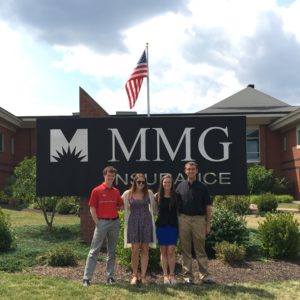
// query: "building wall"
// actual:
[[7, 159], [25, 146], [284, 162], [88, 108], [290, 160], [271, 149]]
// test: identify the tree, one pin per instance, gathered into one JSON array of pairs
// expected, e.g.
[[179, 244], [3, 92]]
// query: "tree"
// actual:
[[25, 189], [260, 180]]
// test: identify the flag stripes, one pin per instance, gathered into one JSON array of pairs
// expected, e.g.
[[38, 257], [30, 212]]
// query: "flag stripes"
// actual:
[[134, 83]]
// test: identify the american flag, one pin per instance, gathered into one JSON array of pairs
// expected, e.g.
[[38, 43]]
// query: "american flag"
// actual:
[[134, 83]]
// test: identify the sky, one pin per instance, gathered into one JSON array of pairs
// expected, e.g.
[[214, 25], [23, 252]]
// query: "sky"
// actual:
[[200, 52]]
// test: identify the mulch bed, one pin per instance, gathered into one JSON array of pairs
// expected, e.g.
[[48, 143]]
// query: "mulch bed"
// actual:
[[251, 271]]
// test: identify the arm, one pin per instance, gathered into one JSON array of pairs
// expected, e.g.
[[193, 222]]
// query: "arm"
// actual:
[[153, 203], [94, 214]]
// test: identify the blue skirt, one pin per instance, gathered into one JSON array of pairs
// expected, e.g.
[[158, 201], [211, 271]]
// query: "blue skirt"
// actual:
[[167, 235]]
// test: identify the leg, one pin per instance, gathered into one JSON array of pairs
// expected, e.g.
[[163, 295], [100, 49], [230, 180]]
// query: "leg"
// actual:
[[135, 250], [164, 259], [185, 236], [98, 238], [144, 260], [112, 240], [171, 259], [199, 235]]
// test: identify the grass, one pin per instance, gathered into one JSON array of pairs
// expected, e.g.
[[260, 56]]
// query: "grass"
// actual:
[[33, 241], [288, 205], [31, 287], [35, 217]]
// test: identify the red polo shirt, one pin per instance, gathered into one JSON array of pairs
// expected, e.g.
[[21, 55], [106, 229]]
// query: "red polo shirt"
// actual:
[[106, 200]]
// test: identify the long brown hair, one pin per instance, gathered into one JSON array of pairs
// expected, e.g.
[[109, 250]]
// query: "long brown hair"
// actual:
[[161, 190], [134, 184]]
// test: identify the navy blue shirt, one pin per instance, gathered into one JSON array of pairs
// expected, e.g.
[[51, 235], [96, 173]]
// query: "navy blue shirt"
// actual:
[[194, 197]]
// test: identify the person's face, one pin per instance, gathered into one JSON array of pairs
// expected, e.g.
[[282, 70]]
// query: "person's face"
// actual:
[[167, 184], [191, 172], [109, 178], [140, 183]]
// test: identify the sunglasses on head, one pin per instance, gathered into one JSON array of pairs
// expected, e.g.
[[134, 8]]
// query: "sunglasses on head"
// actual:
[[140, 182]]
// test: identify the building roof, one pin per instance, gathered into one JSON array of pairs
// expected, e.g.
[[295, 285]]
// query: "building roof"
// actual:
[[249, 101]]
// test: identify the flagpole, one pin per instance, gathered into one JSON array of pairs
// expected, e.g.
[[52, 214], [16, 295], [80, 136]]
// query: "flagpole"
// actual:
[[148, 94]]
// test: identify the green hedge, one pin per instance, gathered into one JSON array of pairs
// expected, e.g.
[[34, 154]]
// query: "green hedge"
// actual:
[[279, 198], [238, 204]]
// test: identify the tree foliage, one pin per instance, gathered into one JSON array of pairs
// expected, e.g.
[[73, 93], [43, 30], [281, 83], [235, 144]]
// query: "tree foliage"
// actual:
[[24, 188], [261, 180]]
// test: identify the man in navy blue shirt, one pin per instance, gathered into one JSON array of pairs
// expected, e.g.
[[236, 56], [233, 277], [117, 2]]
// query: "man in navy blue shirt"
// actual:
[[194, 223]]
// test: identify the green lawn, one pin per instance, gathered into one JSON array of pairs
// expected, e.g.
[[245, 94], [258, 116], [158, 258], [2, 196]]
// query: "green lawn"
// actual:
[[289, 205], [35, 217], [33, 240], [31, 287]]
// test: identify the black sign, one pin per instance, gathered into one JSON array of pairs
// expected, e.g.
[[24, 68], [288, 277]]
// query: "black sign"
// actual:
[[72, 152]]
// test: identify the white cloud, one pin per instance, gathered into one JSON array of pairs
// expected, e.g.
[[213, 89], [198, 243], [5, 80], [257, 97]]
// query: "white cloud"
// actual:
[[197, 57]]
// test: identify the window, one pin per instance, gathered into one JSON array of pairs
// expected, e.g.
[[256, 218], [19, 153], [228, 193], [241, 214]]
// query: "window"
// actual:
[[252, 144], [298, 137], [1, 142], [12, 146]]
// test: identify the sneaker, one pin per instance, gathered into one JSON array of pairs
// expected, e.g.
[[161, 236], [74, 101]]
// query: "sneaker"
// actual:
[[86, 282], [188, 281], [208, 279], [110, 280]]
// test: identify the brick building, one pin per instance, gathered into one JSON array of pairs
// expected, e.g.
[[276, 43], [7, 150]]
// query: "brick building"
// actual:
[[273, 136]]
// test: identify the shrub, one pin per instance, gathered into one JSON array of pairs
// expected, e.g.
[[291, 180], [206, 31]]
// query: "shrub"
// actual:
[[238, 204], [284, 198], [279, 235], [124, 254], [279, 198], [226, 226], [267, 202], [61, 256], [282, 185], [260, 180], [4, 198], [67, 205], [48, 206], [6, 234], [253, 199], [230, 252]]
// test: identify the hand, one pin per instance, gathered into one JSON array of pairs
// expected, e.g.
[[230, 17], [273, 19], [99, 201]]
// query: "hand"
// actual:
[[208, 228]]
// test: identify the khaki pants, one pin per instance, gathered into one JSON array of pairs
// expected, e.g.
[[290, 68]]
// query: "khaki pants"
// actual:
[[193, 229]]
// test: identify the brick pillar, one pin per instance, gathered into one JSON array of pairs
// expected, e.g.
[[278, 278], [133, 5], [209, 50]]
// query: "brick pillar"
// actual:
[[88, 108], [87, 224]]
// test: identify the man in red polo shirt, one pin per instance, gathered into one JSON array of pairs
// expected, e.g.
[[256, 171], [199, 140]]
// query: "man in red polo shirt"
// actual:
[[105, 201]]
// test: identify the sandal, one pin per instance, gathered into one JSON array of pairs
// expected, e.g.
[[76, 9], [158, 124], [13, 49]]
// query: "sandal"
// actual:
[[166, 279], [143, 280], [172, 279], [133, 280]]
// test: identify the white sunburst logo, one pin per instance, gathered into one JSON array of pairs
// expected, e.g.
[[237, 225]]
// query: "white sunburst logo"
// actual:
[[60, 148]]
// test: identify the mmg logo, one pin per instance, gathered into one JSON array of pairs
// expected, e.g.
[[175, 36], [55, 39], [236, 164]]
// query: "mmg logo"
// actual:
[[61, 149]]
